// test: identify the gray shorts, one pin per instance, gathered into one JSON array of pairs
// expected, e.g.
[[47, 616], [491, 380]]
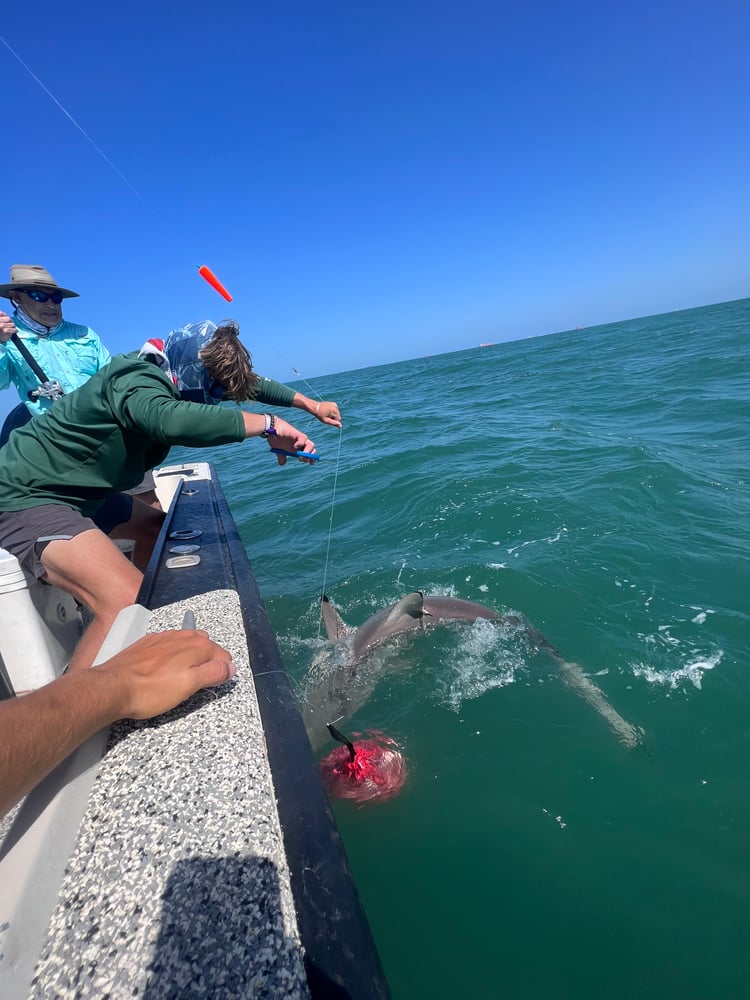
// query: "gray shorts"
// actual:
[[20, 530], [147, 485]]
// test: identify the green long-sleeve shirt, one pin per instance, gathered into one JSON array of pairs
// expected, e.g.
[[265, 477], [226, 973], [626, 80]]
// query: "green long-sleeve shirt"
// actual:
[[105, 436], [273, 393]]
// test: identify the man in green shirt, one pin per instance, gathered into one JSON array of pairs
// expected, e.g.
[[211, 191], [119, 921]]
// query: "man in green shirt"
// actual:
[[62, 476]]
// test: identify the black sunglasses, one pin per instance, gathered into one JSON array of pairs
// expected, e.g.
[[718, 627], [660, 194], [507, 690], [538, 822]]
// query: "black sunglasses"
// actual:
[[56, 297]]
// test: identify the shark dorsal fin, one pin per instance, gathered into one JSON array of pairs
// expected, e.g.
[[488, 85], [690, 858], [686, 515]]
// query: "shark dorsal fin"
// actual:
[[336, 628], [411, 605]]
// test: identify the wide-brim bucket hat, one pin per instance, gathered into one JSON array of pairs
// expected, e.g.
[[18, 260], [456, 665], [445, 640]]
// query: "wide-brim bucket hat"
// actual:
[[23, 276]]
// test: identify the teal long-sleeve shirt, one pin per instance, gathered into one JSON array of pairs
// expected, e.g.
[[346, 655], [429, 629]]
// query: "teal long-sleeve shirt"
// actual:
[[105, 436], [71, 354]]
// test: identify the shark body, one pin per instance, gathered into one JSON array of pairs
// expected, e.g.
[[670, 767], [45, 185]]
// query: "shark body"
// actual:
[[332, 694]]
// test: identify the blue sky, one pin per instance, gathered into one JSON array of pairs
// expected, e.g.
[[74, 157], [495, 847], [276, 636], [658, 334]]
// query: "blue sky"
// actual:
[[376, 182]]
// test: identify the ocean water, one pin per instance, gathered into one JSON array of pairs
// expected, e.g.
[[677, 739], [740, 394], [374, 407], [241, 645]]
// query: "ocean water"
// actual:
[[596, 482]]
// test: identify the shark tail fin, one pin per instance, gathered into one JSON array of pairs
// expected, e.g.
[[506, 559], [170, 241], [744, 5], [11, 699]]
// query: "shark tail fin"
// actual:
[[335, 627]]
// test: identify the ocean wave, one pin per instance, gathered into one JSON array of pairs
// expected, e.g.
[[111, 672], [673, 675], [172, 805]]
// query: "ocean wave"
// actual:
[[688, 673], [485, 660]]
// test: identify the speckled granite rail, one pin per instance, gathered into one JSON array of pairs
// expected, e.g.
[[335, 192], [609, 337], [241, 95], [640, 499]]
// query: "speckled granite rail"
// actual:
[[178, 885], [208, 863]]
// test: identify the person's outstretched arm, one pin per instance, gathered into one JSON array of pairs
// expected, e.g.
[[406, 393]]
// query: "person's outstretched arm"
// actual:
[[326, 411], [40, 729], [273, 393], [285, 436], [154, 411]]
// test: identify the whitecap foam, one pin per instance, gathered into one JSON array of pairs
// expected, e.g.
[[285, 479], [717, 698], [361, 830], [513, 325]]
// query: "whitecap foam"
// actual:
[[484, 661], [702, 616], [549, 539], [691, 672]]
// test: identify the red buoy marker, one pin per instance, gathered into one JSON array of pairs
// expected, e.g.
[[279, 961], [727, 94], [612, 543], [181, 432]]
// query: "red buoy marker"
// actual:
[[208, 275]]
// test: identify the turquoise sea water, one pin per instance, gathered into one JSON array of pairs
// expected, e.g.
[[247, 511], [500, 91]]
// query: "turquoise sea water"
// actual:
[[597, 482]]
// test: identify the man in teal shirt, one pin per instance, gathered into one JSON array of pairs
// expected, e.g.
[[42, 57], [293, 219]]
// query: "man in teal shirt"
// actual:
[[68, 354], [60, 476]]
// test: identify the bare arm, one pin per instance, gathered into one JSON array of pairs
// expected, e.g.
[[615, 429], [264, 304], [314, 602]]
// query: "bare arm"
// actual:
[[40, 729], [327, 412], [286, 437], [273, 393]]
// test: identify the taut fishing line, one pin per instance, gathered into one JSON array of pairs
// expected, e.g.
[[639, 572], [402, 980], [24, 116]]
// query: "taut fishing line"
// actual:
[[330, 528], [83, 132]]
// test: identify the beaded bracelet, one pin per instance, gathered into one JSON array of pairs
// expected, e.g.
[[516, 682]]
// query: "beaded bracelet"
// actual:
[[270, 430]]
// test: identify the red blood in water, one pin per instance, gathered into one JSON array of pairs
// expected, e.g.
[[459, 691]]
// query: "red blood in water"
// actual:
[[377, 773]]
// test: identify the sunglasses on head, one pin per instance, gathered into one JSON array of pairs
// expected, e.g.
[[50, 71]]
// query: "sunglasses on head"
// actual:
[[56, 297]]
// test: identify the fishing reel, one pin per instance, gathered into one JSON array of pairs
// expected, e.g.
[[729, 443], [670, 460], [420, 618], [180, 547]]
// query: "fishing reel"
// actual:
[[51, 389]]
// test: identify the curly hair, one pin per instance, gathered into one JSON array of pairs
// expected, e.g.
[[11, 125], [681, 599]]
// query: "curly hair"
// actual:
[[228, 362]]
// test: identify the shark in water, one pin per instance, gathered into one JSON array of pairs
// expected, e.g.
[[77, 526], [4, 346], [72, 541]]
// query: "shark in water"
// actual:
[[332, 692]]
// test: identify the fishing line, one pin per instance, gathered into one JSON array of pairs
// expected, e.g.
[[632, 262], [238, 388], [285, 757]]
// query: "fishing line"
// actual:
[[312, 390], [83, 132], [330, 529]]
